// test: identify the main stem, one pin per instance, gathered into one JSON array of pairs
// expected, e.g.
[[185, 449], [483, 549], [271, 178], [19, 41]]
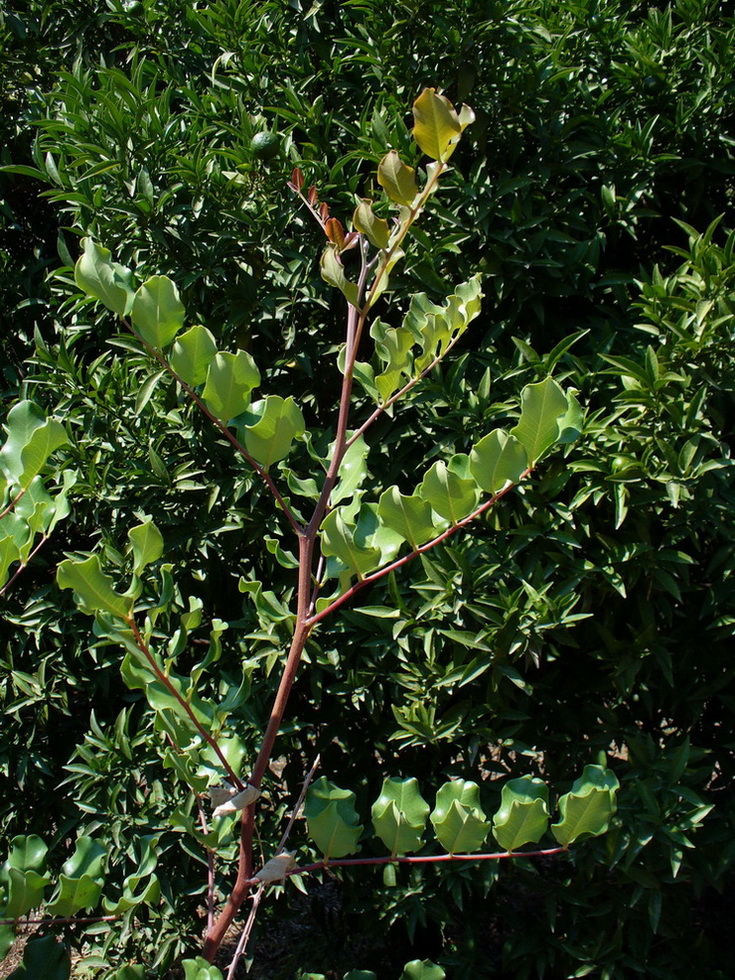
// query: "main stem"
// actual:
[[302, 630]]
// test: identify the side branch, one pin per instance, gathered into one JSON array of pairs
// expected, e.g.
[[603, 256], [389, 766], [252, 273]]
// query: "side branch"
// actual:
[[382, 572], [212, 742], [222, 426]]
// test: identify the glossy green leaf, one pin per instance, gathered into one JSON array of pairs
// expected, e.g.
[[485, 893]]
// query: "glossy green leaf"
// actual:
[[333, 272], [93, 587], [7, 938], [192, 354], [399, 815], [27, 853], [147, 543], [435, 327], [200, 969], [422, 970], [397, 180], [331, 819], [44, 959], [586, 810], [158, 313], [451, 496], [24, 891], [393, 347], [436, 125], [352, 471], [458, 819], [409, 516], [543, 405], [98, 276], [498, 460], [230, 379], [367, 222], [523, 815], [89, 858], [338, 540], [31, 440], [74, 894], [270, 427]]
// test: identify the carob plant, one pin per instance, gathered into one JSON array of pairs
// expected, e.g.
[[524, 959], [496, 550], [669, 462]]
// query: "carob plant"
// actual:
[[344, 546]]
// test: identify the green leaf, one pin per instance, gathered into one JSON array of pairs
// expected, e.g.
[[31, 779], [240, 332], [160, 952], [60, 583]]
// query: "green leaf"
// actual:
[[422, 970], [451, 496], [31, 440], [7, 938], [338, 540], [192, 354], [332, 819], [27, 853], [543, 405], [74, 894], [399, 815], [352, 471], [147, 543], [497, 460], [158, 313], [129, 972], [436, 125], [360, 975], [270, 427], [93, 587], [200, 969], [88, 859], [587, 809], [98, 276], [408, 516], [458, 819], [44, 959], [25, 891], [230, 379], [367, 222], [397, 180], [333, 272], [393, 347], [523, 815], [435, 327]]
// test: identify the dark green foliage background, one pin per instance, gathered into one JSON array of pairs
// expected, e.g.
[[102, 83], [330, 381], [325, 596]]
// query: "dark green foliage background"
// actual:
[[592, 612]]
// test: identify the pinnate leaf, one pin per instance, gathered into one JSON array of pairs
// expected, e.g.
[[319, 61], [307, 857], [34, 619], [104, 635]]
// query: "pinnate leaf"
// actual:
[[586, 810], [543, 406], [192, 354], [498, 460], [158, 313], [399, 815], [397, 180], [523, 815], [97, 275], [458, 819], [93, 587]]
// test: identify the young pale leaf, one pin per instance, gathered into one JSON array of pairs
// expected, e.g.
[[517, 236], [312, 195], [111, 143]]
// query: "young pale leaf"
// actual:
[[200, 969], [367, 222], [422, 970], [332, 819], [523, 815], [459, 821], [192, 354], [98, 276], [338, 540], [543, 405], [408, 516], [270, 427], [449, 495], [31, 440], [158, 313], [44, 959], [436, 125], [230, 379], [147, 544], [399, 815], [93, 587], [393, 346], [333, 272], [397, 180], [277, 868], [587, 809], [497, 460]]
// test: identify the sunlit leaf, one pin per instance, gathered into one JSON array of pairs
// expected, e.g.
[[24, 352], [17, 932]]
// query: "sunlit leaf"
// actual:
[[397, 180], [523, 815], [158, 313]]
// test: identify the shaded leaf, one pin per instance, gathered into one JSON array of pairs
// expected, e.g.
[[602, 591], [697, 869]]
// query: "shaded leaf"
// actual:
[[399, 815], [332, 819], [458, 819], [44, 959], [586, 810], [523, 815], [147, 543]]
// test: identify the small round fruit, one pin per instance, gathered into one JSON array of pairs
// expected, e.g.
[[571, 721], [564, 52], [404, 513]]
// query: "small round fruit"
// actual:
[[265, 146]]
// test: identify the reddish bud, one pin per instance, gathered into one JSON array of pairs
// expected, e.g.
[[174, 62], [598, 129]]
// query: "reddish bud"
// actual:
[[297, 179], [324, 211], [335, 232], [311, 196]]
